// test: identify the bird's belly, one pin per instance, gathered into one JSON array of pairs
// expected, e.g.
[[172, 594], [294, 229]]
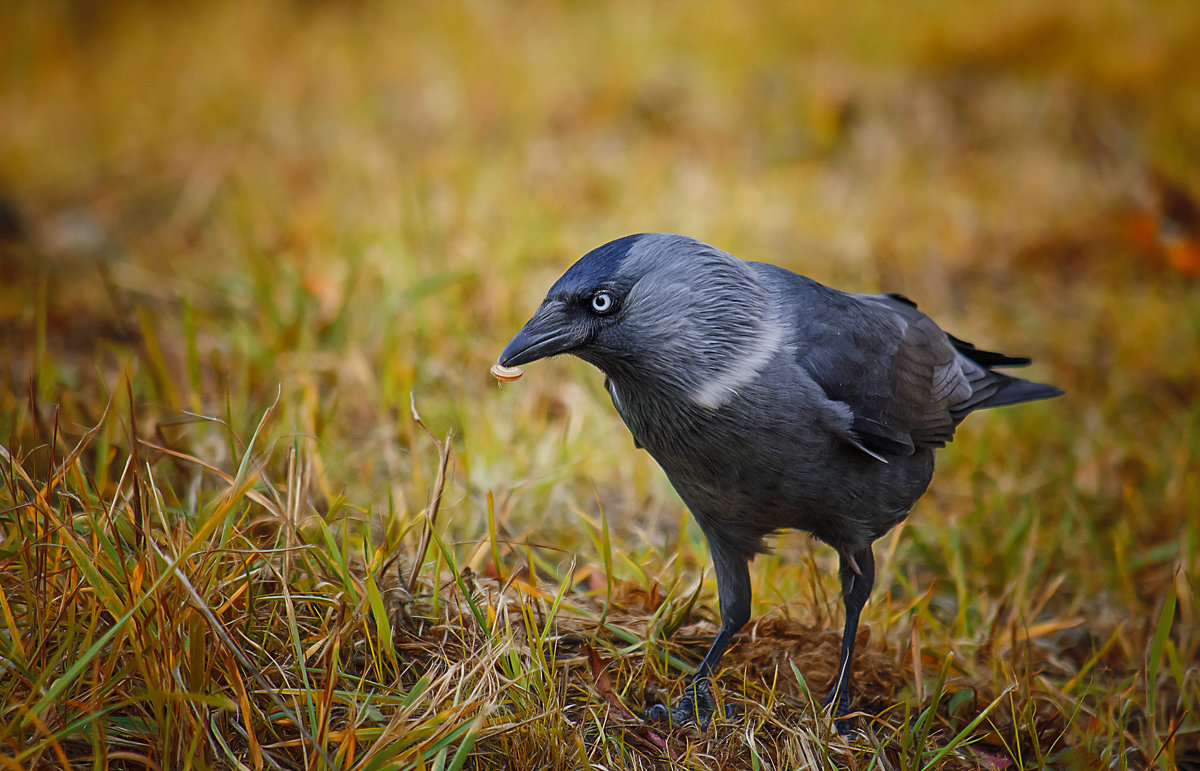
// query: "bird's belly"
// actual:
[[752, 484]]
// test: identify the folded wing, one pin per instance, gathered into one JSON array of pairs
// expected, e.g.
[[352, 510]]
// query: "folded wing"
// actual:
[[906, 382]]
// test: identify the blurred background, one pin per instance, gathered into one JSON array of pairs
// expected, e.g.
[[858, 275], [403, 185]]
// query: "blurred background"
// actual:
[[357, 201], [346, 209]]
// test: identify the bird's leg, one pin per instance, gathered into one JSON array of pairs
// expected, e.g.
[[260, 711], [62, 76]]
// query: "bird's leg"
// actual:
[[857, 572], [697, 703], [733, 587]]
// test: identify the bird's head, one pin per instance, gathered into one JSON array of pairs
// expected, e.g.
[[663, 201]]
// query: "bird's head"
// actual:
[[653, 307]]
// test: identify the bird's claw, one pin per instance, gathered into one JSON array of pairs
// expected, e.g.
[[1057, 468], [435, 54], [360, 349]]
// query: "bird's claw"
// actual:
[[683, 713], [695, 706]]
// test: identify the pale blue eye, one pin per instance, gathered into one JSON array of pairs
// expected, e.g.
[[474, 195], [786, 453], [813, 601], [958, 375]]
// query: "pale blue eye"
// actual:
[[602, 302]]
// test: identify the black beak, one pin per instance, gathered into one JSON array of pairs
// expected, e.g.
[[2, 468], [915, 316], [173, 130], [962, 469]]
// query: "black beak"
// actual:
[[550, 332]]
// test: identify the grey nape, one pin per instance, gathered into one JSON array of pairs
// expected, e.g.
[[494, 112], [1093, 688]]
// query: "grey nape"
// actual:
[[771, 402]]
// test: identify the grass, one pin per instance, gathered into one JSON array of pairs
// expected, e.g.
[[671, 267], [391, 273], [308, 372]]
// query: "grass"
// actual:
[[261, 505]]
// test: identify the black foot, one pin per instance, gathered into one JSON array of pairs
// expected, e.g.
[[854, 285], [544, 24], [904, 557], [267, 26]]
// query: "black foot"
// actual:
[[842, 724], [695, 706]]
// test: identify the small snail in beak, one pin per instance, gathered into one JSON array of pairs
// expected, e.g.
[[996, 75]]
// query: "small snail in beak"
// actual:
[[506, 373]]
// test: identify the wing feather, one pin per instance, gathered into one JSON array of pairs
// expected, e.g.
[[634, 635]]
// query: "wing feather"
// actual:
[[896, 382], [896, 370]]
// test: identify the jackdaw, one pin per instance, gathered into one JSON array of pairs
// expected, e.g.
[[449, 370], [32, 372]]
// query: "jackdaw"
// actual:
[[771, 401]]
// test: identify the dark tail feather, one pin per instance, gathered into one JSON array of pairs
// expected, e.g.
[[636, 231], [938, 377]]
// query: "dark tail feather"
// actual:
[[1013, 390], [990, 358], [997, 390]]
